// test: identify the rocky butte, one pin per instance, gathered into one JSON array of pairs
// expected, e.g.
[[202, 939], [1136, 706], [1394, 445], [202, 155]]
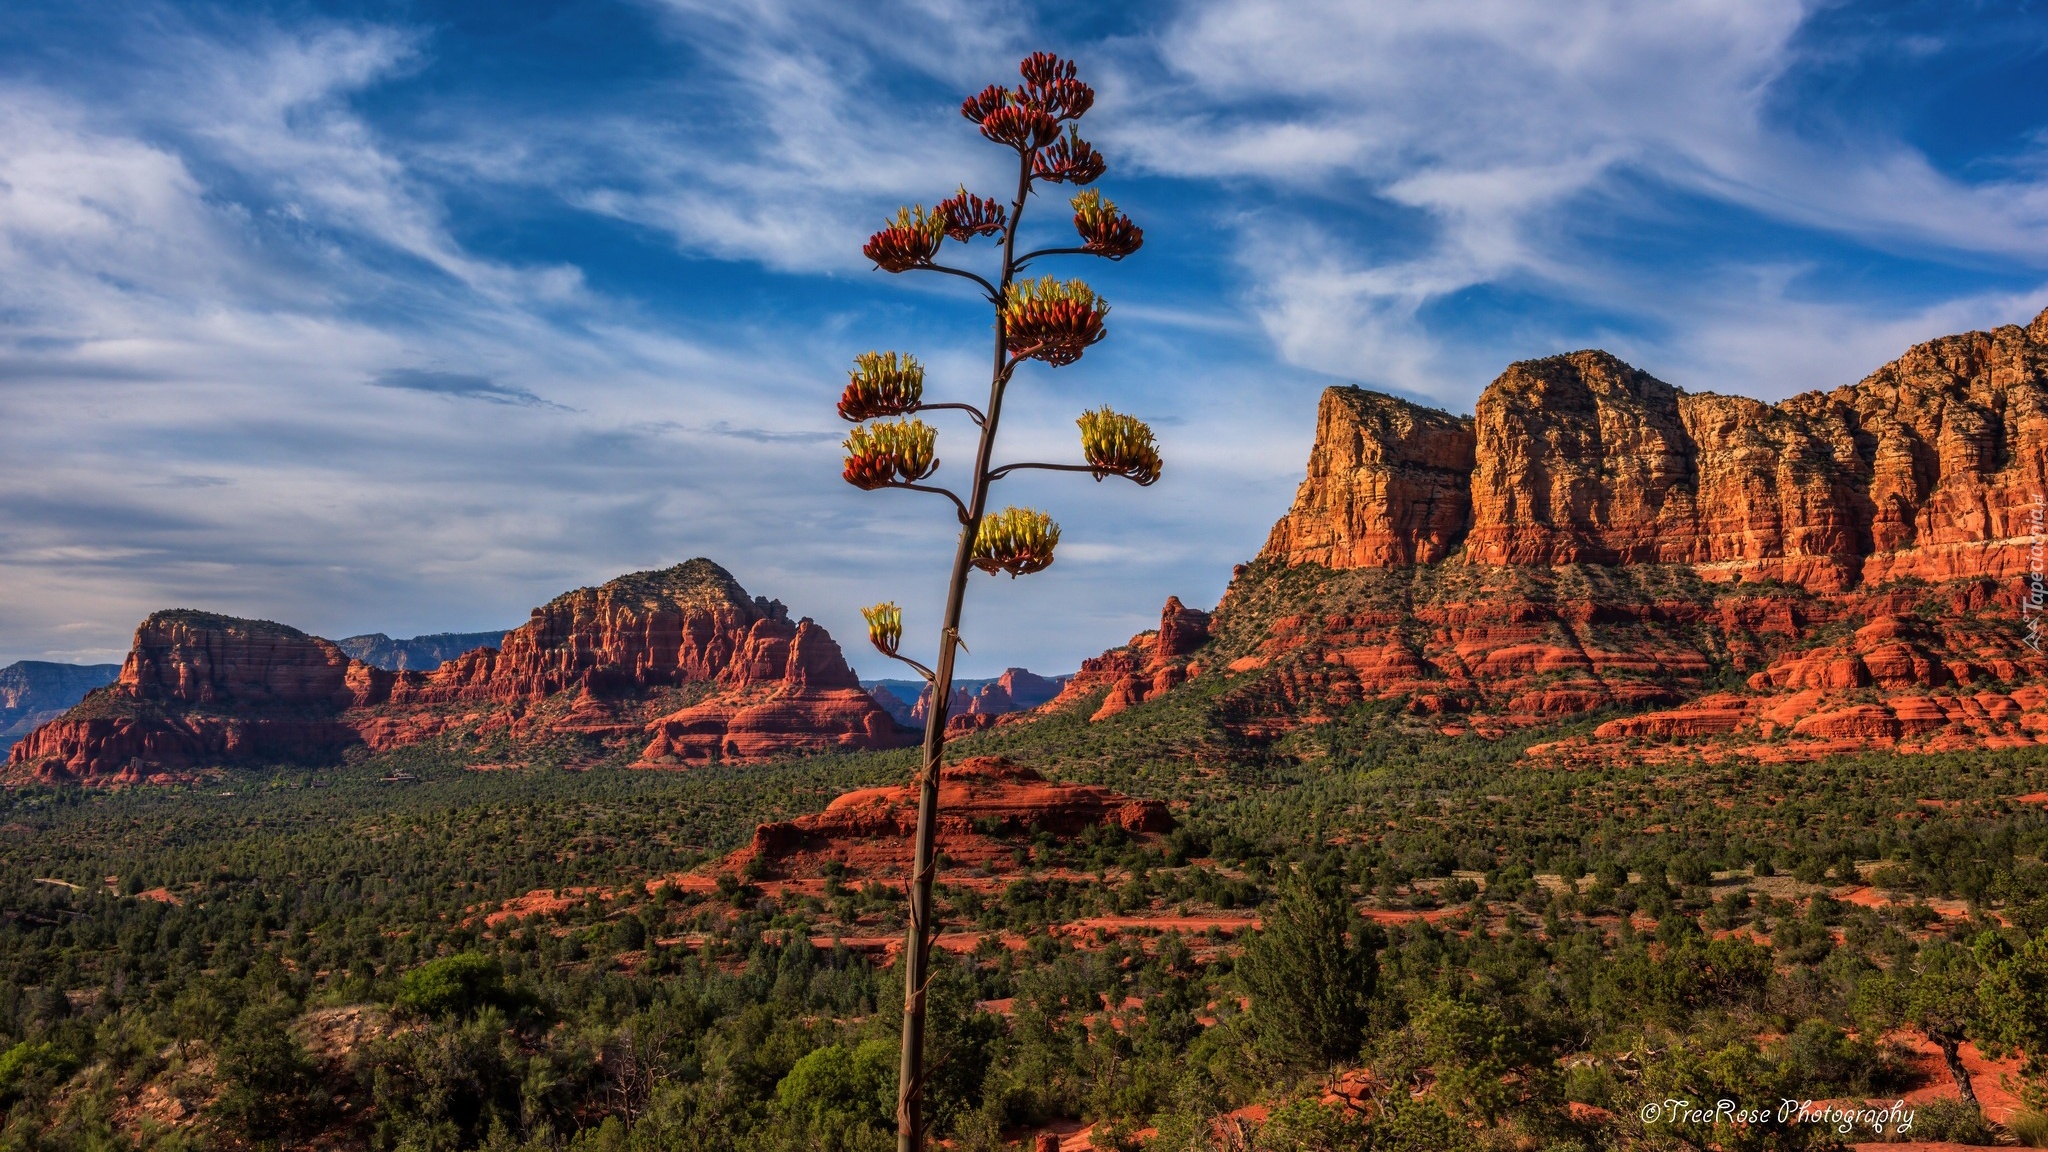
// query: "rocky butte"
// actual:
[[680, 665], [988, 806], [1838, 570]]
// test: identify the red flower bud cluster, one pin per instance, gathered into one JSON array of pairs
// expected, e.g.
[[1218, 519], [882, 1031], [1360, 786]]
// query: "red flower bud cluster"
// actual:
[[909, 241], [1028, 117], [1104, 230], [1070, 160], [890, 452], [1051, 321], [1050, 83], [881, 384], [1025, 127], [968, 215]]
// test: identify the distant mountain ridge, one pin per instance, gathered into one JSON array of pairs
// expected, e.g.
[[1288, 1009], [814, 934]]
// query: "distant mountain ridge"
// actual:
[[680, 665], [976, 703], [35, 691], [419, 654]]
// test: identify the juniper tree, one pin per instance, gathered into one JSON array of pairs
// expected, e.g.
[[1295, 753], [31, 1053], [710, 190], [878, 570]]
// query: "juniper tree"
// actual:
[[1043, 319]]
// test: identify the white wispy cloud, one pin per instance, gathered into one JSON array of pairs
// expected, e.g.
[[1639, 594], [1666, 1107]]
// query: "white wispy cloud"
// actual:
[[1498, 121]]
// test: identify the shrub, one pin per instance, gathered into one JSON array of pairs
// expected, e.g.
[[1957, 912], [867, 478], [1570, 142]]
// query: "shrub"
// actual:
[[456, 986], [26, 1064], [1312, 974]]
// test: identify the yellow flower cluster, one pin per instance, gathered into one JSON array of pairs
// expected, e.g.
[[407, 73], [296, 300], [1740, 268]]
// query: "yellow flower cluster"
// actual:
[[882, 384], [885, 626], [1051, 320], [1118, 445], [1016, 540]]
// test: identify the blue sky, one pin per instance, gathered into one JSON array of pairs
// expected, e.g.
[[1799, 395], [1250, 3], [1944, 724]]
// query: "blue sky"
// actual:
[[407, 316]]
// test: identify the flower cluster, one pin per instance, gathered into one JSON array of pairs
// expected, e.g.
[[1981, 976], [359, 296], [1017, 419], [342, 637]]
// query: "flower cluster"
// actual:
[[909, 241], [885, 626], [1028, 117], [1049, 82], [881, 384], [890, 452], [1016, 540], [1070, 160], [1046, 319], [1021, 126], [1119, 445], [1104, 230], [968, 215]]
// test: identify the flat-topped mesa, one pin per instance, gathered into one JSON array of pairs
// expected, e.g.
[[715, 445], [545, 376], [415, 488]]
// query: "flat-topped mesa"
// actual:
[[184, 657], [1926, 468]]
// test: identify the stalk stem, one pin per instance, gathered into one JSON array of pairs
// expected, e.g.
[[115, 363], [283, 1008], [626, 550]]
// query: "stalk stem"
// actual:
[[910, 1120]]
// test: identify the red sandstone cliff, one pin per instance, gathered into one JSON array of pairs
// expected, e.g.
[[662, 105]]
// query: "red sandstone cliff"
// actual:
[[1151, 665], [1925, 469], [1595, 538], [199, 690]]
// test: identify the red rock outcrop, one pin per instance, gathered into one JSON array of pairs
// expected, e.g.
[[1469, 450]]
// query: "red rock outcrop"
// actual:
[[987, 807], [1927, 468], [1625, 541], [1389, 484], [202, 690], [1152, 664]]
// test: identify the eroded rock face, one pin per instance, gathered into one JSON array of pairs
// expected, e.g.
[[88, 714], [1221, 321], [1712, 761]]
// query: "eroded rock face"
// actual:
[[1927, 468], [1151, 665], [201, 690], [1856, 555], [987, 806], [1389, 484]]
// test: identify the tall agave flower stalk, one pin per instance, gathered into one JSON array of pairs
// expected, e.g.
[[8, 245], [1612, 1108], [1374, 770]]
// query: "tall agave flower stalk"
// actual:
[[1046, 319]]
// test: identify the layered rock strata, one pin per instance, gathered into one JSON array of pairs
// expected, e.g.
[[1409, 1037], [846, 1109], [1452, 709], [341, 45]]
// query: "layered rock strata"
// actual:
[[608, 663], [987, 807], [1593, 538], [1928, 468]]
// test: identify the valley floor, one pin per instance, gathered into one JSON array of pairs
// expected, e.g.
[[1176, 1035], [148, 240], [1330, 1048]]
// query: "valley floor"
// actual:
[[1476, 950]]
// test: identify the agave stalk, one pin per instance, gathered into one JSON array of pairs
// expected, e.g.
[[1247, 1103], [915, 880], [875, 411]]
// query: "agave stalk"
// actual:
[[1045, 319]]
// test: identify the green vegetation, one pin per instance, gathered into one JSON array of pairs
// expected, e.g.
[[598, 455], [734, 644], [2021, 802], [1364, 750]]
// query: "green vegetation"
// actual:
[[1519, 956]]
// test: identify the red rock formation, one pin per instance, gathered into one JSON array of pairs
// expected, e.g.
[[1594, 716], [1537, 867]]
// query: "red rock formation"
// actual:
[[201, 690], [1927, 468], [1620, 546], [1388, 485], [1152, 664], [987, 806]]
